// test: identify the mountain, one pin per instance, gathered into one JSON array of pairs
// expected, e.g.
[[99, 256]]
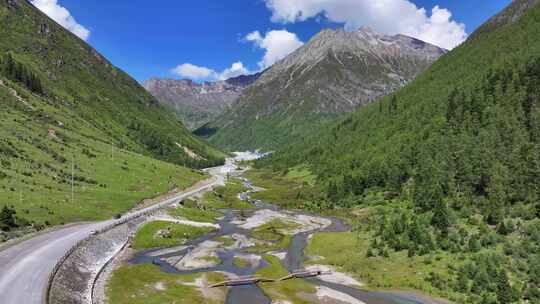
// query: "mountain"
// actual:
[[77, 78], [70, 117], [197, 104], [448, 165], [334, 73], [510, 15]]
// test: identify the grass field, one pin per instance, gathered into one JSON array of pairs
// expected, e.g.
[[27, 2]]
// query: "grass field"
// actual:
[[85, 118], [147, 284], [36, 178], [164, 234], [196, 214], [272, 232], [291, 189], [289, 290], [398, 271], [226, 197]]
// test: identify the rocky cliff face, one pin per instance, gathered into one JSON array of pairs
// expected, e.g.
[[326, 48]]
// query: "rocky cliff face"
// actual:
[[198, 103], [349, 68], [334, 73]]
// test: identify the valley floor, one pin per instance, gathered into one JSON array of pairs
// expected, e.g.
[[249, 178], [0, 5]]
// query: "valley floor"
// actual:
[[232, 232]]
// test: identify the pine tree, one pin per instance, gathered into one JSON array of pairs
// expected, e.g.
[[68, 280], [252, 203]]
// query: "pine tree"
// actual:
[[332, 192], [497, 193], [441, 218], [7, 218], [474, 244], [393, 105], [504, 290]]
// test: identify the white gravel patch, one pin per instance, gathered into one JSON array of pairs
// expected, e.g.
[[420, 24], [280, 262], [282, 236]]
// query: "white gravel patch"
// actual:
[[241, 241], [179, 220], [264, 216], [198, 257], [160, 286], [325, 294], [334, 276]]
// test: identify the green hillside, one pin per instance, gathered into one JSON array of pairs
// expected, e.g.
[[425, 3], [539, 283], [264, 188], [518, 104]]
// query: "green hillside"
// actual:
[[449, 164], [76, 78], [66, 107]]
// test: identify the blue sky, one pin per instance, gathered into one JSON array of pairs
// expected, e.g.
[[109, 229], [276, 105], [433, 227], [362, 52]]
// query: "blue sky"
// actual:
[[202, 39]]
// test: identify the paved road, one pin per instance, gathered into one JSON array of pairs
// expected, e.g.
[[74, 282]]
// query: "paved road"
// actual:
[[25, 267]]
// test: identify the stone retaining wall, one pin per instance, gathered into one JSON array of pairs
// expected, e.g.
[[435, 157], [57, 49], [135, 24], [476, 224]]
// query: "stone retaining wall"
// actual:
[[74, 280]]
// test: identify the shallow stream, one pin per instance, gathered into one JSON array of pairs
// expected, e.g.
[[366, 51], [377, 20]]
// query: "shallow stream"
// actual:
[[293, 260]]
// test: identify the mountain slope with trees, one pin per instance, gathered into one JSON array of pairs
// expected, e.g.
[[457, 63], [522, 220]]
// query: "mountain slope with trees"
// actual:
[[73, 76], [334, 73], [449, 164], [80, 140]]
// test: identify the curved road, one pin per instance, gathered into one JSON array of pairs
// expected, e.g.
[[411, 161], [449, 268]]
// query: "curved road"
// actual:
[[25, 267]]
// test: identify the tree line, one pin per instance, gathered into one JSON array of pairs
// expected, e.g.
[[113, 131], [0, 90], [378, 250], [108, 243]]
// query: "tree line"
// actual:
[[18, 72]]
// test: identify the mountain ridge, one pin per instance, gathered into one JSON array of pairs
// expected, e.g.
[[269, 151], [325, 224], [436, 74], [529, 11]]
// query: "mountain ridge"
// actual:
[[335, 72], [196, 104]]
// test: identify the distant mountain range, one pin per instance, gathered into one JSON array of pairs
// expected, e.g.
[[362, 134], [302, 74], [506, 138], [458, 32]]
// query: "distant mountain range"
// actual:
[[334, 73], [196, 104]]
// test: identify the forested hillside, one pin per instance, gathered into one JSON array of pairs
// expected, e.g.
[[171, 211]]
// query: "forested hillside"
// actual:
[[454, 162]]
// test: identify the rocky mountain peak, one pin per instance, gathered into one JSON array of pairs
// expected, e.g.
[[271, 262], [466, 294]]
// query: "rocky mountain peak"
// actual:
[[198, 103], [333, 73], [362, 43]]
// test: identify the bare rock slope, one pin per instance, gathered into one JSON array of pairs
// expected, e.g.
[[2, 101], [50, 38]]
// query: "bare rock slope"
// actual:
[[335, 72], [198, 103]]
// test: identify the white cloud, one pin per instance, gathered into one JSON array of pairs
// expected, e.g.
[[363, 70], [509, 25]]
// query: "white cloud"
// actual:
[[194, 72], [277, 44], [387, 16], [235, 70], [191, 71], [62, 16]]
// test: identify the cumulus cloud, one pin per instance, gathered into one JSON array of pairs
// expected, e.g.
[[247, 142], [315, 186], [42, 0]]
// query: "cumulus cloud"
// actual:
[[387, 16], [194, 72], [62, 16], [277, 44], [235, 70]]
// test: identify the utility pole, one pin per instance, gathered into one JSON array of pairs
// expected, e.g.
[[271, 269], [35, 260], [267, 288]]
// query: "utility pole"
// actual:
[[112, 148], [72, 178], [20, 186]]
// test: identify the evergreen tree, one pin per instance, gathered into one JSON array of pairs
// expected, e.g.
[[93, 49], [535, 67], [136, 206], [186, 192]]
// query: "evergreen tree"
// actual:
[[7, 218], [497, 193], [474, 244], [504, 290], [332, 192], [393, 105], [441, 218]]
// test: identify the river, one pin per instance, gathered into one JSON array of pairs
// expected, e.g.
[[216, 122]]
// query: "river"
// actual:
[[292, 258]]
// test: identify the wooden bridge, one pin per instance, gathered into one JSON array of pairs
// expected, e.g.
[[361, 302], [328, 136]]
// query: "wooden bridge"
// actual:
[[249, 280]]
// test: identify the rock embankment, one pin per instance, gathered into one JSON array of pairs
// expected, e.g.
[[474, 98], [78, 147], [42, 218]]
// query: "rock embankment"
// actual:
[[74, 280]]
